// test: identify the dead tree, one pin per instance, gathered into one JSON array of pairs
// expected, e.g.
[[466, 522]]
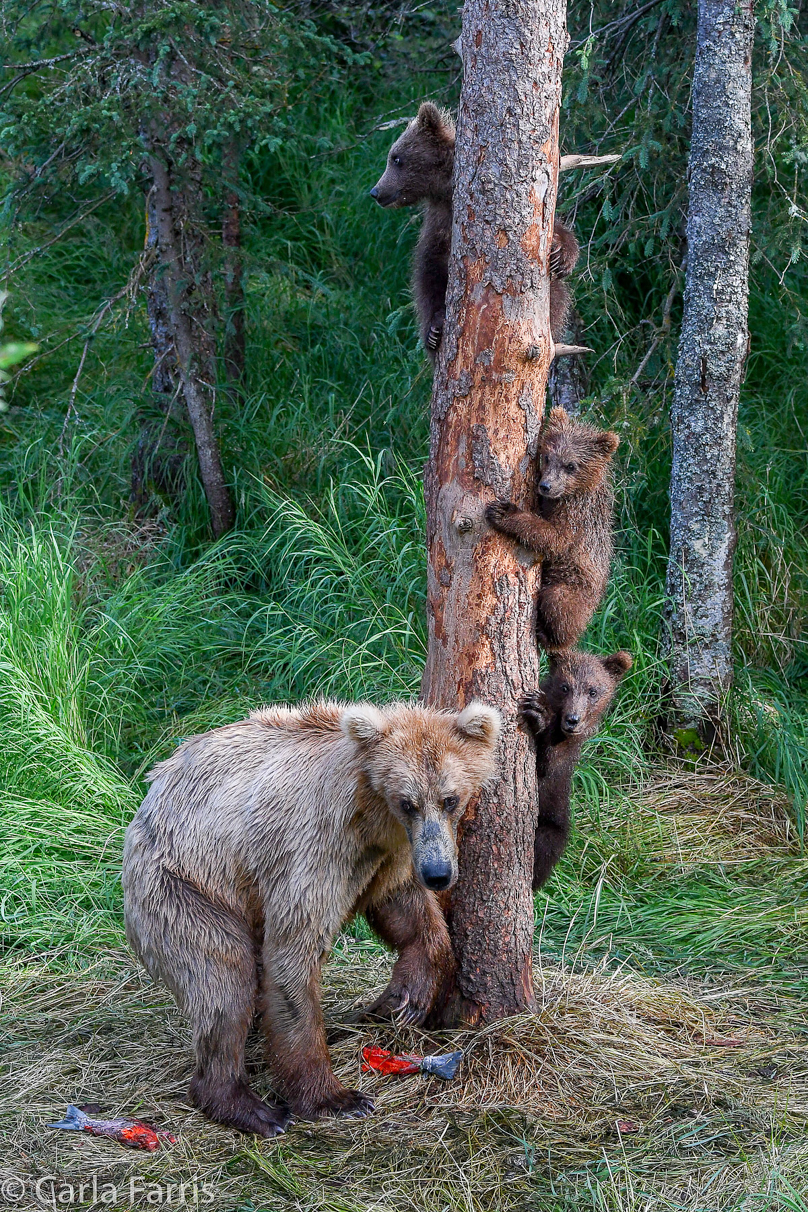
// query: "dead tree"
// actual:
[[191, 345], [709, 369], [487, 406]]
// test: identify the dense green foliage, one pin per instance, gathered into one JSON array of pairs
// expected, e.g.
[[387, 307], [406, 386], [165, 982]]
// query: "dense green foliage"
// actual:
[[121, 633]]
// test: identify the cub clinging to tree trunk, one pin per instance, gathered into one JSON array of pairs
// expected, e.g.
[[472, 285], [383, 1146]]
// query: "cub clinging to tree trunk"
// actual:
[[565, 711], [419, 169], [257, 841], [572, 529]]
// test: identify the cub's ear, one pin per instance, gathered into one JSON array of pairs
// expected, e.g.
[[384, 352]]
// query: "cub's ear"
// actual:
[[363, 723], [434, 122], [606, 443], [558, 417], [618, 664], [480, 722]]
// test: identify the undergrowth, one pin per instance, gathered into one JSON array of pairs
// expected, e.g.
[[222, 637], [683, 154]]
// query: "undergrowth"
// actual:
[[120, 634]]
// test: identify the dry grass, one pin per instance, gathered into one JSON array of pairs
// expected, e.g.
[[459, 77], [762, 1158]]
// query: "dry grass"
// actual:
[[620, 1093], [612, 1065]]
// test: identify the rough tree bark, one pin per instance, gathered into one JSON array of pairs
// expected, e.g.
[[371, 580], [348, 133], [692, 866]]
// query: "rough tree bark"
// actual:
[[487, 407], [194, 366], [709, 369]]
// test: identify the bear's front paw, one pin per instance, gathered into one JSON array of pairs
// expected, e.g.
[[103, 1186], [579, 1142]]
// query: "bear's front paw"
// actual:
[[497, 511], [535, 710], [341, 1103], [408, 1006]]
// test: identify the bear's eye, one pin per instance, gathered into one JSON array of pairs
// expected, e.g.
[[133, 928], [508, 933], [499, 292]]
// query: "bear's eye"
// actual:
[[592, 692], [407, 807], [570, 467], [450, 803], [397, 161], [566, 688]]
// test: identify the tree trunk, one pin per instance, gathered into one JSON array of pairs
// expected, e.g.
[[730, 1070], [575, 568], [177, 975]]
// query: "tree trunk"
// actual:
[[158, 458], [487, 408], [191, 364], [235, 336], [569, 377], [709, 370]]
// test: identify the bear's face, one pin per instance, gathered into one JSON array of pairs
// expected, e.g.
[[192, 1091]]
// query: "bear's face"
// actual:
[[426, 765], [420, 162], [579, 688], [573, 457]]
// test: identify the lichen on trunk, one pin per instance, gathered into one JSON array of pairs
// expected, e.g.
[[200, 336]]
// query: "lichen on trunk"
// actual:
[[709, 371]]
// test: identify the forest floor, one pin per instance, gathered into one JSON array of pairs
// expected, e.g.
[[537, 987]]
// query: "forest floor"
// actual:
[[654, 1075]]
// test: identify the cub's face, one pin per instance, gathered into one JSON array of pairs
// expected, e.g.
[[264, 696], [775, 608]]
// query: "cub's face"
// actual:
[[420, 162], [427, 765], [579, 688], [573, 457]]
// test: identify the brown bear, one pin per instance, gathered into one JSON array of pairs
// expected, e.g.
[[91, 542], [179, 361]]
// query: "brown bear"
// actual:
[[257, 841], [572, 530], [565, 711], [419, 169]]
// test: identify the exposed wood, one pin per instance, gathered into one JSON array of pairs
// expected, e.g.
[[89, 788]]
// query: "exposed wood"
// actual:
[[487, 408], [567, 162], [709, 369]]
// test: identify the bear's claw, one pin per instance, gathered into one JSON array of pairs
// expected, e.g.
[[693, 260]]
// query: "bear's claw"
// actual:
[[534, 709], [497, 511]]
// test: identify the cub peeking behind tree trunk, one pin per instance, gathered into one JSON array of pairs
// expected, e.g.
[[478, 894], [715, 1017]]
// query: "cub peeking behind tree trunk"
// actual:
[[257, 841], [565, 711], [572, 530], [419, 169]]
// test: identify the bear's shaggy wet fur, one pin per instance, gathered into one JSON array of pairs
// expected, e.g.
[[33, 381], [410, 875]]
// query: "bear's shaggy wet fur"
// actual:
[[257, 841], [572, 528], [419, 169], [565, 711]]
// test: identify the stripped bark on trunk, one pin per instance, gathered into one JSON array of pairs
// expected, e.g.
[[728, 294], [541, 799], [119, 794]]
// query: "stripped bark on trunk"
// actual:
[[709, 370], [487, 408], [194, 362]]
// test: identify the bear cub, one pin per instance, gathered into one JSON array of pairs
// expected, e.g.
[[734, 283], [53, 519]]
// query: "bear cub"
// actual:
[[419, 169], [571, 530], [565, 711], [257, 841]]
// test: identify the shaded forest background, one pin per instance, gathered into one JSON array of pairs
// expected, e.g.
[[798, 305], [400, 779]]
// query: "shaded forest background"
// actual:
[[123, 628]]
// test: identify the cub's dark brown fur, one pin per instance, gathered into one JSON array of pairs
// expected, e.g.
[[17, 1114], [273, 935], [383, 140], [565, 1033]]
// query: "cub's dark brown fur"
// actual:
[[565, 711], [419, 169], [572, 529]]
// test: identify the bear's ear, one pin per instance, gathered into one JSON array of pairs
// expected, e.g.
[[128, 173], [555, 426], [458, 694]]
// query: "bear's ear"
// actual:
[[363, 723], [606, 443], [432, 121], [558, 417], [480, 722], [618, 664]]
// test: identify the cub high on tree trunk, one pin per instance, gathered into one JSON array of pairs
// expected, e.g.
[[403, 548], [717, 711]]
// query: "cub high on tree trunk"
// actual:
[[565, 711], [419, 169], [257, 841], [572, 528]]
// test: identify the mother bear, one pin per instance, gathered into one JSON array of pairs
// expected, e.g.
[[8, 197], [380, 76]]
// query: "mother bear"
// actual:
[[257, 841]]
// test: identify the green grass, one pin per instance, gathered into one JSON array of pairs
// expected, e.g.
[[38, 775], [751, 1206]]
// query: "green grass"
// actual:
[[121, 635]]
